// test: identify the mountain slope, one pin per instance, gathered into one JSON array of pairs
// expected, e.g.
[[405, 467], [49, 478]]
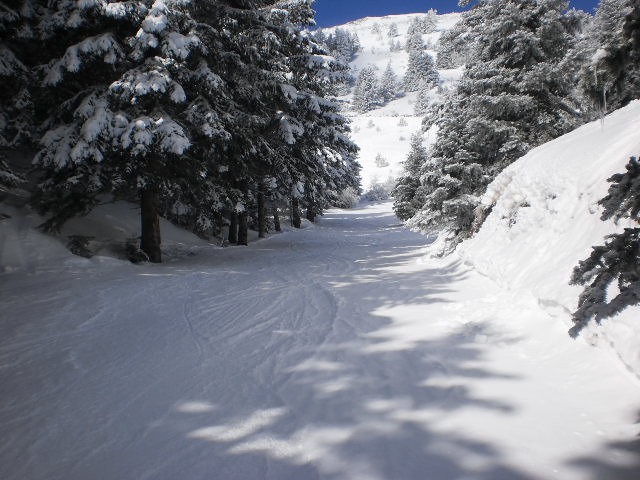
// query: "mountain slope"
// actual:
[[387, 131]]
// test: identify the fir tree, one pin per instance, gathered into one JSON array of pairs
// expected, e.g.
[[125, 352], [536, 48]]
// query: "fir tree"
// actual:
[[423, 101], [421, 72], [392, 31], [512, 97], [618, 260], [610, 77], [407, 200], [130, 80], [429, 22], [389, 87], [414, 38], [366, 95], [17, 56]]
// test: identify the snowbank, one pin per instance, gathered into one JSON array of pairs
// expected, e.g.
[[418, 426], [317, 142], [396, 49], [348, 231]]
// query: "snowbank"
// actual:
[[23, 247], [545, 219]]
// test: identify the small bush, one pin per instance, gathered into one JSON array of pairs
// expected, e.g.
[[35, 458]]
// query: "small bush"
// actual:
[[348, 198]]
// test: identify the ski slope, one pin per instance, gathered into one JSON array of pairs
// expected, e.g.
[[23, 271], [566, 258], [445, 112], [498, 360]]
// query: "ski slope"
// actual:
[[335, 352]]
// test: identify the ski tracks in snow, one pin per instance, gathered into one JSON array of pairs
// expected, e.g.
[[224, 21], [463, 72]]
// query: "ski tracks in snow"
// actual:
[[334, 352]]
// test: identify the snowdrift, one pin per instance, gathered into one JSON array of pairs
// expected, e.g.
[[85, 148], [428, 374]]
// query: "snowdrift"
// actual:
[[545, 218]]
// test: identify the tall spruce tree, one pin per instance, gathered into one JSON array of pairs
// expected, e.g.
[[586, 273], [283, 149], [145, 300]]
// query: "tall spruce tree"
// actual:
[[610, 76], [421, 69], [366, 94], [512, 97], [389, 86], [129, 78], [618, 260], [17, 57], [407, 199], [313, 135]]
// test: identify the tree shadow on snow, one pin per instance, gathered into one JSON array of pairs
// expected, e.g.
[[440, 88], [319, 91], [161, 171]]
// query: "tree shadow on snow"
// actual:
[[347, 387], [619, 460]]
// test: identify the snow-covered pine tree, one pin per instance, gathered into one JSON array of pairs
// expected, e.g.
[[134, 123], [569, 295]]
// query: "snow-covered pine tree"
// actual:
[[389, 86], [452, 46], [17, 54], [366, 94], [313, 135], [414, 36], [512, 97], [429, 22], [128, 79], [395, 45], [423, 101], [343, 44], [421, 72], [610, 76], [392, 31], [618, 260], [407, 199]]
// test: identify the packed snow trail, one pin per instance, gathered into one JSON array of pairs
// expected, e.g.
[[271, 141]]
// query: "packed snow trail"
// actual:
[[335, 352]]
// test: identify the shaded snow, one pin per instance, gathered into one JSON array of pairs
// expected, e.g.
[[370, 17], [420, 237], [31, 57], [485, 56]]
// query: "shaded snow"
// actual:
[[335, 352]]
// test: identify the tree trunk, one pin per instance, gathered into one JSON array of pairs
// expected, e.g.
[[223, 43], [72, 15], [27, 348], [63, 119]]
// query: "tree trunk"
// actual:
[[150, 225], [295, 213], [233, 228], [276, 219], [243, 228], [262, 213], [311, 214]]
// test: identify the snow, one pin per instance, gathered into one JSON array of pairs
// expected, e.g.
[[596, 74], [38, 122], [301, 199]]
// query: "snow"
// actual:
[[386, 137], [339, 351], [546, 219]]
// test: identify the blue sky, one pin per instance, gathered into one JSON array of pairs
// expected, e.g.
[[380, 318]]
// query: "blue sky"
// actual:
[[337, 12]]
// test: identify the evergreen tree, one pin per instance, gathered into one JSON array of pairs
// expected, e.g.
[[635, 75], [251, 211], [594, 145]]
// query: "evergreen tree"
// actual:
[[132, 82], [366, 95], [421, 72], [453, 47], [414, 37], [389, 85], [313, 134], [615, 261], [512, 97], [393, 30], [395, 46], [423, 101], [17, 52], [610, 77], [342, 44], [429, 22], [407, 199]]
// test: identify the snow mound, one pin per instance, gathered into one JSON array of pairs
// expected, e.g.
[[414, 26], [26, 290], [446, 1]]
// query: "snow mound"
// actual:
[[545, 218]]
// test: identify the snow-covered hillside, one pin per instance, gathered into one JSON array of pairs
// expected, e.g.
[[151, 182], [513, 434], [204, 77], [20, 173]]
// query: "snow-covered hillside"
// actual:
[[546, 219], [382, 131]]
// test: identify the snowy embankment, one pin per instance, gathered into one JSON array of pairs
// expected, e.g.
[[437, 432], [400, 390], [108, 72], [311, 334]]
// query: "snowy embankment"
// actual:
[[546, 219]]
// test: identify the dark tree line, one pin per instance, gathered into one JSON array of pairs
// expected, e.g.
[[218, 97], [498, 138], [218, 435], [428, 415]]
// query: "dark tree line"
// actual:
[[207, 112]]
